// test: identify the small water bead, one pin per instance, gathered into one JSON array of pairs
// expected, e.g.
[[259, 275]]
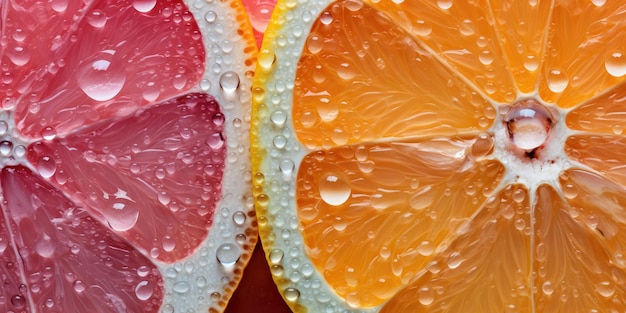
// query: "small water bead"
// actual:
[[48, 133], [598, 3], [467, 28], [528, 124], [79, 286], [6, 147], [326, 18], [168, 308], [531, 63], [292, 294], [547, 287], [4, 127], [46, 166], [422, 28], [144, 290], [334, 190], [557, 80], [97, 18], [228, 254], [279, 141], [444, 4], [144, 6], [276, 256], [181, 287], [229, 81], [485, 57], [278, 118], [19, 55], [426, 296], [286, 166], [426, 248], [605, 289], [615, 64], [239, 218], [18, 301]]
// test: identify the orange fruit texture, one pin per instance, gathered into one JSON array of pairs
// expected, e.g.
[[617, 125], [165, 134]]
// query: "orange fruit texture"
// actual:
[[125, 178], [443, 156]]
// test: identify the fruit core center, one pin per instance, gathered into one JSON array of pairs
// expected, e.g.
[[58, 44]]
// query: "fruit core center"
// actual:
[[528, 124]]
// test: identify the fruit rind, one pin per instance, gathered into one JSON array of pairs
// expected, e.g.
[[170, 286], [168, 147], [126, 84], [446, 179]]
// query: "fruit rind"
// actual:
[[272, 139]]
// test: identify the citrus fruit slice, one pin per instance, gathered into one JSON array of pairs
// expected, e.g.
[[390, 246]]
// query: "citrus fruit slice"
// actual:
[[123, 144], [259, 12], [443, 156]]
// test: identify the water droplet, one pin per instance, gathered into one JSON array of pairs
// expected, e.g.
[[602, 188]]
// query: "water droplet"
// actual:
[[48, 133], [164, 198], [422, 198], [122, 217], [19, 55], [229, 81], [557, 80], [210, 16], [4, 127], [425, 296], [570, 191], [150, 92], [168, 308], [144, 6], [79, 286], [168, 243], [239, 218], [103, 78], [519, 195], [276, 256], [6, 147], [46, 166], [444, 4], [18, 301], [547, 287], [215, 141], [292, 294], [531, 63], [59, 5], [467, 28], [326, 18], [286, 166], [606, 289], [598, 3], [454, 260], [144, 290], [96, 18], [615, 64], [485, 57], [426, 248], [422, 28], [228, 254], [315, 44], [278, 117], [528, 124], [266, 59], [181, 287], [334, 189]]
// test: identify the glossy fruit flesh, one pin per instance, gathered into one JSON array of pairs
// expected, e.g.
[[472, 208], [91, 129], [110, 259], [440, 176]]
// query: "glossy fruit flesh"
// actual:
[[110, 171]]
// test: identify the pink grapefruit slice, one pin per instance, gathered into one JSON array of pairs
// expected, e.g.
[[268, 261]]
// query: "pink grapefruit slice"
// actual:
[[123, 144]]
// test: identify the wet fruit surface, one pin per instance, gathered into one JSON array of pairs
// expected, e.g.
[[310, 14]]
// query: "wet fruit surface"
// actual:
[[442, 156], [124, 151]]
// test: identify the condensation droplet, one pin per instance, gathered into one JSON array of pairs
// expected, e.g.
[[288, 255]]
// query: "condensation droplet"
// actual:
[[557, 80], [48, 133], [239, 218], [229, 81], [615, 64], [97, 18], [228, 254], [181, 287], [6, 147], [103, 78], [79, 286], [422, 28], [46, 166], [444, 4], [334, 190], [426, 296], [531, 63], [547, 287], [276, 256], [292, 294], [606, 289], [144, 290], [144, 6], [598, 3]]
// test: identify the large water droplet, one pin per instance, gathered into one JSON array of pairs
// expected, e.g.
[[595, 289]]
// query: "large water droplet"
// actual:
[[19, 55], [18, 301], [228, 254], [422, 28], [46, 166], [103, 78], [229, 81], [615, 64], [144, 290], [557, 80], [181, 287], [96, 18], [6, 147], [425, 296], [144, 6], [444, 4], [239, 218], [122, 217], [334, 189], [292, 294]]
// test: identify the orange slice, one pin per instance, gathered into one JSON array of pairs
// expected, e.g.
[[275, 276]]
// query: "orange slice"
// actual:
[[123, 145], [443, 156]]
